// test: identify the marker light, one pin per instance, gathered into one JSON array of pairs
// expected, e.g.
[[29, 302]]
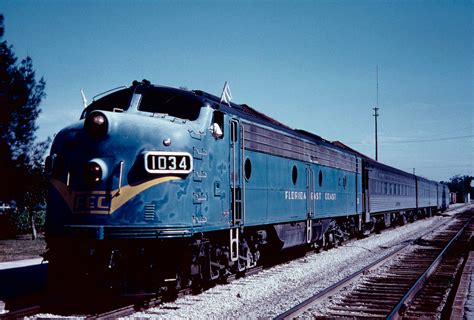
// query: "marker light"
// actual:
[[92, 173], [96, 124]]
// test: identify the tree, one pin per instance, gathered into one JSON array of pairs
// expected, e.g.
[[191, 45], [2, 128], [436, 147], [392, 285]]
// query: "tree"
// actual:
[[21, 158], [460, 184]]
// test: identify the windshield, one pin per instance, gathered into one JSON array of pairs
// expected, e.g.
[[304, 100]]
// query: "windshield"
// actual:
[[175, 103], [116, 101]]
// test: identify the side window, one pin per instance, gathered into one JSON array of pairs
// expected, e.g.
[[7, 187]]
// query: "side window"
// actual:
[[233, 131], [294, 175], [217, 126], [248, 169]]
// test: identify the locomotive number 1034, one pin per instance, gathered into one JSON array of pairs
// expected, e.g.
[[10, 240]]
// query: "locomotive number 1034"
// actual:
[[168, 162]]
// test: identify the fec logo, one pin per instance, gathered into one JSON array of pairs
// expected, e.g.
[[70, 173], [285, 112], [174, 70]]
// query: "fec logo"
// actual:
[[92, 203]]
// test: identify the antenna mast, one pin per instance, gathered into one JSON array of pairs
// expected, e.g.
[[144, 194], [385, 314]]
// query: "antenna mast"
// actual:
[[376, 114]]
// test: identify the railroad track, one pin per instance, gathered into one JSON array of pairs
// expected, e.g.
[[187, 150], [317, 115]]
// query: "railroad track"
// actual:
[[411, 282]]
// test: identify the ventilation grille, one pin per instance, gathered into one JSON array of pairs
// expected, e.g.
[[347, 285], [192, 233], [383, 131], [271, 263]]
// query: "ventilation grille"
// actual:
[[149, 212]]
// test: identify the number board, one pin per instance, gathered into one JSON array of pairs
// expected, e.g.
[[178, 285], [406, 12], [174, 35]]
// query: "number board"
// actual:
[[168, 162]]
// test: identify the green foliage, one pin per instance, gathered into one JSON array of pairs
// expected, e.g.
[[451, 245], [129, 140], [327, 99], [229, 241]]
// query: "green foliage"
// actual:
[[461, 184], [14, 222], [21, 158], [22, 221]]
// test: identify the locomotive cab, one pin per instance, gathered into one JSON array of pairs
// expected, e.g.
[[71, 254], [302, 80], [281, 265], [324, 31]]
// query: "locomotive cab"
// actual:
[[127, 168]]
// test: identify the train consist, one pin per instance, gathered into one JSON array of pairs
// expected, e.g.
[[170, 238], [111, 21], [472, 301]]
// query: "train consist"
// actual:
[[157, 188]]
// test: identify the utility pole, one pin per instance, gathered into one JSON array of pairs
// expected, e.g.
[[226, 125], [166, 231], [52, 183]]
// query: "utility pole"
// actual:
[[376, 114]]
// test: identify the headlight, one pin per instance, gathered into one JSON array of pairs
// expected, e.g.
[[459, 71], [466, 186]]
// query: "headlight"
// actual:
[[92, 173], [96, 124]]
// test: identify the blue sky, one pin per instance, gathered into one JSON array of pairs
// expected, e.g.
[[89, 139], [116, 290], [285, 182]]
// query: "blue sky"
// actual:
[[309, 64]]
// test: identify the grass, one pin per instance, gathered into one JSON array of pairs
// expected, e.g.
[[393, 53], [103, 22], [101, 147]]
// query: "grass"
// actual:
[[22, 248]]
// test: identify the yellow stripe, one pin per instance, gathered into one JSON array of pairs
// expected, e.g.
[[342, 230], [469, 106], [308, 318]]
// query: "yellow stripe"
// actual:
[[118, 199], [129, 192]]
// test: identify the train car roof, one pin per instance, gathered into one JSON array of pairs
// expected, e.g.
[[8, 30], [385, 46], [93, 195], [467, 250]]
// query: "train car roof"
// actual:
[[380, 165], [344, 146], [373, 162]]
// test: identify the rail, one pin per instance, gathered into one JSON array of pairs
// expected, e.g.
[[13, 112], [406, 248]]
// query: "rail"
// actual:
[[394, 314]]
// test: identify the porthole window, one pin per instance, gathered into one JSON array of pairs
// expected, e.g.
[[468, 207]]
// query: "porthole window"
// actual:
[[248, 169], [320, 178], [294, 175]]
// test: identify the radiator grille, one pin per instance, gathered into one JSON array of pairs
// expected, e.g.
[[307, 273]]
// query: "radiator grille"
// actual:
[[149, 212]]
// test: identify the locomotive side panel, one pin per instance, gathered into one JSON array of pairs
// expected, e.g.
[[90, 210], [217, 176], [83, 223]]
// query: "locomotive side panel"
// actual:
[[305, 180], [255, 188], [287, 201], [336, 194]]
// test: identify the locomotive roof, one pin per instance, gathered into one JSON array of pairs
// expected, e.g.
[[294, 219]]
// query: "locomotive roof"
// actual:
[[246, 112]]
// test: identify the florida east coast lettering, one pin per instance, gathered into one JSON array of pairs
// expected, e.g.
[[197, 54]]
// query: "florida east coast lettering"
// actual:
[[302, 195]]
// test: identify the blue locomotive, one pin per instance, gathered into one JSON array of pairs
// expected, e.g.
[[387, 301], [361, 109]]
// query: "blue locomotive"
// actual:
[[157, 188]]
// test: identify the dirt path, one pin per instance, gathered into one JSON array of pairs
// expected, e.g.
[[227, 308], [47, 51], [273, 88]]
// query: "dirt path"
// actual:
[[21, 248]]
